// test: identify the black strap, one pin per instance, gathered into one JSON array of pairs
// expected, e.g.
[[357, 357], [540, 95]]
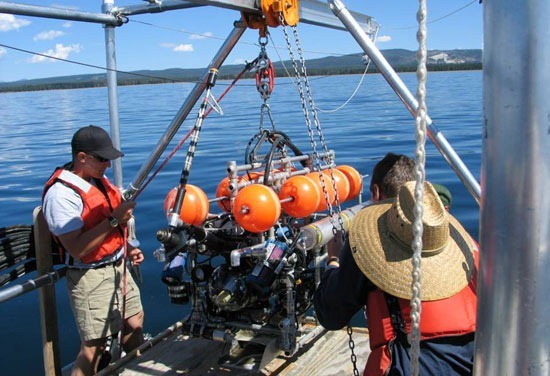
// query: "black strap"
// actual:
[[101, 187], [397, 320]]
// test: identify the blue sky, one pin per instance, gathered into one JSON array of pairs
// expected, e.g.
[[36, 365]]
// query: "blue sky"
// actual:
[[189, 38]]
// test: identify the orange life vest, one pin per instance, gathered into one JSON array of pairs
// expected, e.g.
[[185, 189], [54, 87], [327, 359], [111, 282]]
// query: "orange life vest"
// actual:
[[97, 207], [453, 316]]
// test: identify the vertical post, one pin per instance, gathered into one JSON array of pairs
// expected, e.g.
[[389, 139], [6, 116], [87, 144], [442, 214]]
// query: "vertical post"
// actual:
[[513, 326], [110, 51], [47, 300]]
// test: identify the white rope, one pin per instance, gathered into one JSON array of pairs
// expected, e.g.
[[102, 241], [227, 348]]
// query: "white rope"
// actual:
[[420, 156], [351, 96], [373, 38]]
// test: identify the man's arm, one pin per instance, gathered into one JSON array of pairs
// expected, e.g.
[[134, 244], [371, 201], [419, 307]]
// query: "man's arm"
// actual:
[[342, 292], [81, 242]]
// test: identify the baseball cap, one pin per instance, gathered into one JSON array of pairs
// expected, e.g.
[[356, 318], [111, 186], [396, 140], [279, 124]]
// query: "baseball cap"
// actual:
[[444, 194], [95, 140]]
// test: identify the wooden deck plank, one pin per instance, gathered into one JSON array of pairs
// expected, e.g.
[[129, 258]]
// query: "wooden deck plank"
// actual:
[[327, 354]]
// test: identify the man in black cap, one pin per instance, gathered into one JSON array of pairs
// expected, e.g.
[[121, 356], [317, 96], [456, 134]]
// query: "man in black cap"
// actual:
[[88, 219]]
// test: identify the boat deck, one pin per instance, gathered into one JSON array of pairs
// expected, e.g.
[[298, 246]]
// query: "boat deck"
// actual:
[[326, 354]]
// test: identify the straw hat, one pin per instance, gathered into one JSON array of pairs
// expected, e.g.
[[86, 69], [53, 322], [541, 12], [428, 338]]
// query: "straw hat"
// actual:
[[381, 236]]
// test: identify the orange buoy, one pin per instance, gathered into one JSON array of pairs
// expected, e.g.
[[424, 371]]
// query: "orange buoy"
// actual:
[[222, 191], [305, 196], [342, 183], [252, 176], [354, 178], [194, 208], [329, 189], [256, 208]]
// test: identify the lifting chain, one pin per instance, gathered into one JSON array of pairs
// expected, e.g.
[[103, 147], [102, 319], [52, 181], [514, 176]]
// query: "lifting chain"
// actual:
[[351, 345], [299, 76]]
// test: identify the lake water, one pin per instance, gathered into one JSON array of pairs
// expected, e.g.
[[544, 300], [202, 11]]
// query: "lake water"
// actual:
[[36, 129]]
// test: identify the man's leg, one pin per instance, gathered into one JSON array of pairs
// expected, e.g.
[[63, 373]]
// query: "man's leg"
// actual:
[[133, 332], [88, 358]]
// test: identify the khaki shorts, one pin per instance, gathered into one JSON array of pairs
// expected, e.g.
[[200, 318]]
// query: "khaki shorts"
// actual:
[[96, 297]]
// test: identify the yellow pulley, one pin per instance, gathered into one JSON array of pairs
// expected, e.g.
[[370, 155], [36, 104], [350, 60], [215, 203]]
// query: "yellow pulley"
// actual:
[[289, 9], [255, 22]]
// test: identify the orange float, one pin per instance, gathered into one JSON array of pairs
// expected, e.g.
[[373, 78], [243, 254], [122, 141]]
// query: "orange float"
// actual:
[[223, 191], [329, 188], [354, 178], [194, 208], [342, 183], [252, 175], [305, 196], [256, 208]]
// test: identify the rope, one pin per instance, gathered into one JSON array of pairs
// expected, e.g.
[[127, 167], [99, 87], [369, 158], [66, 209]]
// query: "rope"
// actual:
[[351, 96], [420, 155], [124, 285], [373, 38]]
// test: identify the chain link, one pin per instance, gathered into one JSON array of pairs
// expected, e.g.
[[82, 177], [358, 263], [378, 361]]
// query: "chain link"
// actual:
[[351, 345], [303, 81], [317, 159]]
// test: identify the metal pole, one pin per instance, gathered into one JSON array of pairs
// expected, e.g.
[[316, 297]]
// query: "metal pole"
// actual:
[[180, 117], [513, 326], [406, 96], [45, 279], [313, 12], [57, 13], [110, 55]]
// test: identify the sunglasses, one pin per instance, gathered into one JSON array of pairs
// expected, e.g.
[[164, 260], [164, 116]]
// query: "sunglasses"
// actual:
[[98, 158]]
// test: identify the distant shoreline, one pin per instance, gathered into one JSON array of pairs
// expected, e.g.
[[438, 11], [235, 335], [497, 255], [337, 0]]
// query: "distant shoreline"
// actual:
[[278, 73], [401, 61]]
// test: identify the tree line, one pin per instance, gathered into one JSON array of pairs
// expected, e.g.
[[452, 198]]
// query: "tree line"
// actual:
[[278, 72]]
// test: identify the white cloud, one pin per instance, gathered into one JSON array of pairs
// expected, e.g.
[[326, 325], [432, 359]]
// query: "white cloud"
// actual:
[[208, 34], [183, 48], [3, 52], [178, 47], [383, 38], [67, 24], [9, 22], [48, 35], [61, 52], [239, 61]]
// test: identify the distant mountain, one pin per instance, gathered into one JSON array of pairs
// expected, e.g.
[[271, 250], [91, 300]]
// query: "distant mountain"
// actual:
[[399, 59]]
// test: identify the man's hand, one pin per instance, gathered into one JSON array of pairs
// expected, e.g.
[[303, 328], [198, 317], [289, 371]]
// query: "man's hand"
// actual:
[[335, 245], [135, 256], [123, 212]]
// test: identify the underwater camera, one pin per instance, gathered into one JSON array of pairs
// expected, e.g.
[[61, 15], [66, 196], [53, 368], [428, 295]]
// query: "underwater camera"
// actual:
[[249, 273]]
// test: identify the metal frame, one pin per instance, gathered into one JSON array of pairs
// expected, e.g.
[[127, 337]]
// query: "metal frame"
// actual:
[[513, 334]]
